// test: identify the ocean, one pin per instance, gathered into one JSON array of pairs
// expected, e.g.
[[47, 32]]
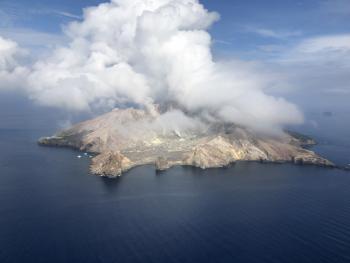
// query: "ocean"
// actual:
[[53, 210]]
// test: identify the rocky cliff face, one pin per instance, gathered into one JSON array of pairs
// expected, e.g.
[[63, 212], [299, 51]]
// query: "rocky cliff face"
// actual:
[[123, 139]]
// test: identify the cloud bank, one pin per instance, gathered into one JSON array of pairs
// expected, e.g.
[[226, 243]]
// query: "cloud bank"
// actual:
[[145, 52]]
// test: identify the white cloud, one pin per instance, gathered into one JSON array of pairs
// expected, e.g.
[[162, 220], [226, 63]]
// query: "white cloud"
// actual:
[[144, 52], [8, 50], [270, 33], [327, 50], [221, 42], [332, 43], [65, 14], [11, 73]]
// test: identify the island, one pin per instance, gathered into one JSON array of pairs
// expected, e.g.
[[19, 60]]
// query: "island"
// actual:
[[125, 138]]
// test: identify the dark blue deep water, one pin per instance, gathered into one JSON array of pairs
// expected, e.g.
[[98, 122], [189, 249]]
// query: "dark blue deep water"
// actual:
[[52, 210]]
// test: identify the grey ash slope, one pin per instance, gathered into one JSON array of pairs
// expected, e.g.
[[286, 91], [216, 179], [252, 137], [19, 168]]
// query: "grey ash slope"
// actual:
[[125, 138]]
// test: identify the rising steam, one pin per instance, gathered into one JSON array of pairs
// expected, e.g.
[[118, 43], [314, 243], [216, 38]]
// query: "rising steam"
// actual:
[[145, 52]]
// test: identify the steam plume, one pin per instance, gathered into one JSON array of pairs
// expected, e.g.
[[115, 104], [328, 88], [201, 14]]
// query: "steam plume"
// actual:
[[146, 52]]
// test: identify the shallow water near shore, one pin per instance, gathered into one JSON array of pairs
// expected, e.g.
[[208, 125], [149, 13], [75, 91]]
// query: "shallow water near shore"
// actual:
[[53, 210]]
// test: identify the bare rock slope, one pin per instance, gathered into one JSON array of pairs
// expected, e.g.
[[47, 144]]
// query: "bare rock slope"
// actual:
[[125, 138]]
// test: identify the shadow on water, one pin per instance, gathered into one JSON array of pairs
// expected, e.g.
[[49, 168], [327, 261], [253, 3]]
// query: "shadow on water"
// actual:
[[111, 184]]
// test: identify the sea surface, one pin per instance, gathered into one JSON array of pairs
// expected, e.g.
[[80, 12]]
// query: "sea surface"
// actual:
[[52, 210]]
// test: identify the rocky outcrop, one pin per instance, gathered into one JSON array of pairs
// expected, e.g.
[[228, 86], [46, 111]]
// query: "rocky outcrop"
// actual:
[[110, 164], [162, 164], [123, 139], [217, 152]]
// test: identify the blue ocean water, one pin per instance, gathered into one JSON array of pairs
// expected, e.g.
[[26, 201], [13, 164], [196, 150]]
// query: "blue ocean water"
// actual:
[[52, 210]]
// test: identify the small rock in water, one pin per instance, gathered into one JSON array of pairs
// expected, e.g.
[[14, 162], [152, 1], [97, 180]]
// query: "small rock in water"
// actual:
[[79, 156]]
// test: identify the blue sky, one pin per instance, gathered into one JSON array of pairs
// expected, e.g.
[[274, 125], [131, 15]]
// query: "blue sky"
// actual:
[[248, 29]]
